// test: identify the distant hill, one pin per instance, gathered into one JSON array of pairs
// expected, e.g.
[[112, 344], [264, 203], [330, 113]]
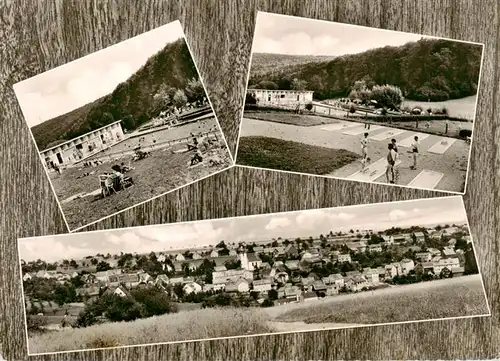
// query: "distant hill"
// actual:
[[429, 69], [263, 63], [170, 69]]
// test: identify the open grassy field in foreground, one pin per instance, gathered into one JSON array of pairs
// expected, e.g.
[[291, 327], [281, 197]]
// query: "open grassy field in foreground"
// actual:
[[187, 325], [272, 153], [457, 297], [303, 120], [163, 171]]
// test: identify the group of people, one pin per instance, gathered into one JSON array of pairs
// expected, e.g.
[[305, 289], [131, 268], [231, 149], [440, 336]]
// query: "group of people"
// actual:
[[392, 167]]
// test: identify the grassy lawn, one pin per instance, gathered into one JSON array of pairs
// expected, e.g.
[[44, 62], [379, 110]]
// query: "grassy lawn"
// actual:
[[460, 108], [161, 172], [290, 118], [280, 154], [407, 303], [182, 326]]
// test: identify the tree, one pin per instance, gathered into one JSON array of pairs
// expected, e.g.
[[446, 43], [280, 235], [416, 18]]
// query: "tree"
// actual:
[[272, 295], [103, 266], [73, 264], [389, 96], [128, 122], [298, 84], [265, 84], [194, 90], [250, 99], [180, 98]]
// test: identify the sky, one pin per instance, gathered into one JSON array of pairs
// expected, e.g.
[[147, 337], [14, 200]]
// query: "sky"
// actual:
[[72, 85], [157, 238], [282, 34]]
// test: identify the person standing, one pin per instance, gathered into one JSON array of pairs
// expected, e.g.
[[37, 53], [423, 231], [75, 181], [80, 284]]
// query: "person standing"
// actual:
[[446, 126], [391, 160], [364, 145], [414, 149]]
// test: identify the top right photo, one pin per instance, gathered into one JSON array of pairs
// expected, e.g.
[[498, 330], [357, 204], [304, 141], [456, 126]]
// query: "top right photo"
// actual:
[[361, 104]]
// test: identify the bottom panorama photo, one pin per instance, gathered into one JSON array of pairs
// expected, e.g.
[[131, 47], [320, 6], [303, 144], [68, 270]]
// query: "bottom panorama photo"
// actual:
[[285, 272]]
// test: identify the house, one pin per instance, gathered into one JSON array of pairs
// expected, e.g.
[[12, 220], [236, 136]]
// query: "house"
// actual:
[[180, 257], [307, 283], [263, 285], [371, 275], [423, 256], [292, 265], [131, 280], [419, 236], [118, 291], [265, 265], [449, 253], [75, 150], [452, 242], [250, 261], [434, 251], [332, 290], [291, 251], [308, 296], [88, 292], [310, 255], [220, 268], [407, 265], [230, 276], [319, 286], [281, 277], [389, 240], [214, 254], [192, 287], [292, 293], [375, 248], [176, 280], [334, 279], [279, 265], [352, 273], [381, 273], [356, 246], [197, 255], [282, 98], [449, 263], [161, 258], [356, 283], [258, 249], [162, 280], [391, 270], [427, 267], [344, 257], [103, 276], [450, 230], [27, 276], [241, 285], [279, 251]]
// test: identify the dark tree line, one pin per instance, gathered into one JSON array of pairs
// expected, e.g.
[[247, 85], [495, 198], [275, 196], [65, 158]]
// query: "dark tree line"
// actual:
[[167, 77], [429, 69]]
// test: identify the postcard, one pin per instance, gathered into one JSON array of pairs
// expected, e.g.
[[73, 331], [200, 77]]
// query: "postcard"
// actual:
[[358, 103], [309, 270], [123, 125]]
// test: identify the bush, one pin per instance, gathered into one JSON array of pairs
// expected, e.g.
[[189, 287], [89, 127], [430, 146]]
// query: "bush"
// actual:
[[250, 99], [464, 133], [267, 303], [388, 95], [309, 106], [35, 323], [352, 109]]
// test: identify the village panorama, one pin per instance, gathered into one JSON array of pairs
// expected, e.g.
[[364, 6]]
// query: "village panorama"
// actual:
[[232, 288]]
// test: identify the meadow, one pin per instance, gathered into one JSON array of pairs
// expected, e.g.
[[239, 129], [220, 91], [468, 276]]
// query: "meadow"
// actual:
[[181, 326], [290, 118], [287, 155], [456, 297]]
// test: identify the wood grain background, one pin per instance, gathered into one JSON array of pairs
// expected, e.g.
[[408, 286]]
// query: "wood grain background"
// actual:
[[36, 36]]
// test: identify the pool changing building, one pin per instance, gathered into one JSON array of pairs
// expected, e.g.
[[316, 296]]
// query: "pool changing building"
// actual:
[[82, 147], [286, 98]]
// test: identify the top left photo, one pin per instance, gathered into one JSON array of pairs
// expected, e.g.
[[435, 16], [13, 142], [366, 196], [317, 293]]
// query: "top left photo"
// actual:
[[123, 125]]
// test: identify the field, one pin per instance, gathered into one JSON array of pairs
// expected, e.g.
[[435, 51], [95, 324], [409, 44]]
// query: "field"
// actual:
[[459, 108], [456, 297], [287, 155], [290, 118], [461, 296], [161, 172], [188, 325]]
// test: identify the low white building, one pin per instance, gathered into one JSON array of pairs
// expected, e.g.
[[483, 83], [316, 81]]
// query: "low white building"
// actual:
[[344, 257], [192, 287], [262, 285], [82, 147], [288, 98], [407, 265]]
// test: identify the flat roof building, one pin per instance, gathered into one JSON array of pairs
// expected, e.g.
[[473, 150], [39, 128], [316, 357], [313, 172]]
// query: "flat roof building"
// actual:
[[82, 147], [287, 98]]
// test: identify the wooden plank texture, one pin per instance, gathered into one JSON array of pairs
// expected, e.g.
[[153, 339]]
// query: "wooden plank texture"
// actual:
[[40, 35]]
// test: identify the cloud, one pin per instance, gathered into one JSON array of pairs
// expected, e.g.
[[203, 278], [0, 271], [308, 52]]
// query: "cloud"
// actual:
[[397, 214], [278, 222]]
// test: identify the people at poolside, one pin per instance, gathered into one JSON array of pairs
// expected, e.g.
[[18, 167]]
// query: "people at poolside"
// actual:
[[415, 145], [391, 160]]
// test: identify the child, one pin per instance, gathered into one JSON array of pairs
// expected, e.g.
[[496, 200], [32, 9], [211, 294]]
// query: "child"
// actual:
[[365, 162], [364, 145]]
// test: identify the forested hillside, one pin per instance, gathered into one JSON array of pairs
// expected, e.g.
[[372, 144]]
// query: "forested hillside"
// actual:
[[263, 63], [429, 69], [168, 78]]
